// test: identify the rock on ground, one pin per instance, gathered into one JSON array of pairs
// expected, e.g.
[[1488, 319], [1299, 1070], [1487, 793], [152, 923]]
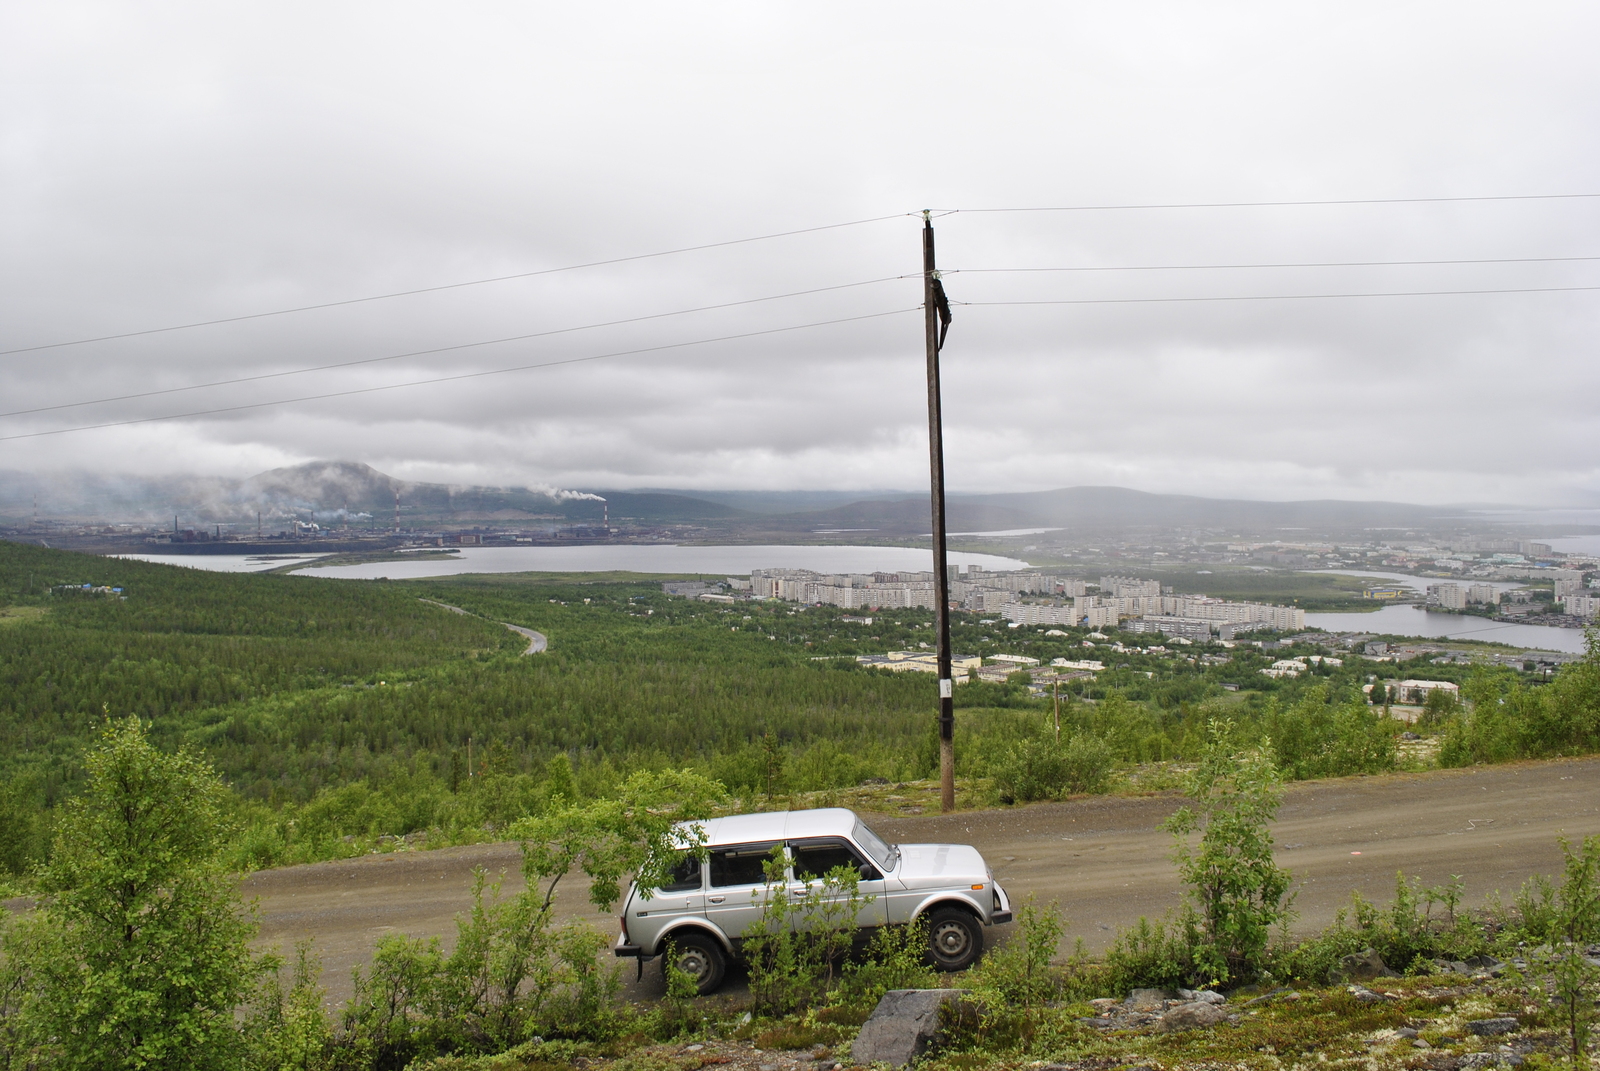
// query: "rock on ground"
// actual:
[[1488, 1028], [902, 1026], [1363, 966], [1206, 996], [1192, 1016]]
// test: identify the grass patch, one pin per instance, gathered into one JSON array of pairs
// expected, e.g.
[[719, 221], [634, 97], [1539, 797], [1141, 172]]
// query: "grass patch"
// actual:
[[802, 1035]]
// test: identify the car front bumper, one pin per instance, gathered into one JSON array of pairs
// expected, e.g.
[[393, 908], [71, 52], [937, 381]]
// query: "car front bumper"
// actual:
[[1002, 907]]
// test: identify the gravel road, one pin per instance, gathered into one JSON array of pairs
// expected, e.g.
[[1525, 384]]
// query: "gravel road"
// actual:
[[1102, 858], [538, 642]]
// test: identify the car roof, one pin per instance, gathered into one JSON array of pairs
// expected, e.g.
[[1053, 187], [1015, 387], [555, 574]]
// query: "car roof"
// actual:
[[779, 825]]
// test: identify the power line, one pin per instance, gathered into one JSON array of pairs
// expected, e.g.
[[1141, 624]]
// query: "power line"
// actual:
[[1283, 297], [1290, 204], [762, 238], [445, 349], [446, 286], [1296, 264], [456, 378]]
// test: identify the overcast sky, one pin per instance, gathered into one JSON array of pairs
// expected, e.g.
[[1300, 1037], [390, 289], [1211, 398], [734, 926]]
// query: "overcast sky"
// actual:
[[168, 163]]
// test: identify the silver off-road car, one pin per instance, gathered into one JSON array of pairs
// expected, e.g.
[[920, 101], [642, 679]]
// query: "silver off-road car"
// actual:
[[702, 914]]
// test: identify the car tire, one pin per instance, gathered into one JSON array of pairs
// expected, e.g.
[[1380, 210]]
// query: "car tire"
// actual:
[[699, 956], [955, 940]]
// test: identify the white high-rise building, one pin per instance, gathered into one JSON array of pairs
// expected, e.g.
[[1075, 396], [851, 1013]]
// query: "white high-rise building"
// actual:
[[1582, 604]]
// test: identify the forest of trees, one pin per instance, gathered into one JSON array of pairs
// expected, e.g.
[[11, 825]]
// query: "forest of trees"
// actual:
[[344, 711]]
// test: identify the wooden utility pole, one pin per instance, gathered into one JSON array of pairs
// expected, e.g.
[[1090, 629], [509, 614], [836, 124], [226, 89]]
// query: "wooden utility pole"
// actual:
[[933, 298], [1055, 691]]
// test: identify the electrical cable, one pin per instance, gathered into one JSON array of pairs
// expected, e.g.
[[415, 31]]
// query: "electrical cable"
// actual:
[[767, 237], [456, 378], [775, 297], [1282, 297], [446, 286], [448, 349], [1288, 204], [1310, 264]]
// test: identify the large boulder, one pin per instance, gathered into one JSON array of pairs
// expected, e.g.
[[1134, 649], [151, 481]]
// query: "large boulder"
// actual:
[[1363, 966], [902, 1026], [1192, 1016], [1149, 999]]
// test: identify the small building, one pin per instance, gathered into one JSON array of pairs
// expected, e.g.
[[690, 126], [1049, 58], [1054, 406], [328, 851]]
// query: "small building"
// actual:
[[1416, 692], [687, 588]]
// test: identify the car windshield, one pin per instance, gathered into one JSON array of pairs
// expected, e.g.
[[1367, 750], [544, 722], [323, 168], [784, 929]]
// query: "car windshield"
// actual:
[[874, 845]]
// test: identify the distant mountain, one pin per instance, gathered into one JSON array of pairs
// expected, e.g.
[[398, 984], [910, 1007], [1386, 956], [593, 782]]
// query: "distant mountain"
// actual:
[[1105, 509], [1100, 507], [322, 489], [777, 502]]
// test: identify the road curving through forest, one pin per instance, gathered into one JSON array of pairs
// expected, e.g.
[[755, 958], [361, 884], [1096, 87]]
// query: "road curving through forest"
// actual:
[[538, 642]]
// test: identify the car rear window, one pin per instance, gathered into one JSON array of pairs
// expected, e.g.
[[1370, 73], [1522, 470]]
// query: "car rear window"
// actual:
[[685, 876], [740, 864]]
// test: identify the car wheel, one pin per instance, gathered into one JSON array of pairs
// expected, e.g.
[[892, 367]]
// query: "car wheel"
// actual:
[[954, 939], [701, 958]]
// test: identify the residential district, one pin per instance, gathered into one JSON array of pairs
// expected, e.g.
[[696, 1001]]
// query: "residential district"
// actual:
[[1200, 629], [1032, 598]]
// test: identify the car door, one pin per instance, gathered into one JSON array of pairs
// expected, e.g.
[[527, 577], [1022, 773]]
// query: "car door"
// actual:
[[813, 857], [736, 890]]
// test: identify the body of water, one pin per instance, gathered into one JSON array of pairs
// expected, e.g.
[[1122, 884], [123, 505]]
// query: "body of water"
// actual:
[[1415, 621], [224, 563], [1419, 584], [1585, 544], [723, 561]]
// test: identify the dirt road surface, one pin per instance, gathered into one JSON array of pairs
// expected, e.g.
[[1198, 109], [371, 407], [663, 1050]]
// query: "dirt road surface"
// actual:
[[538, 642], [1103, 859]]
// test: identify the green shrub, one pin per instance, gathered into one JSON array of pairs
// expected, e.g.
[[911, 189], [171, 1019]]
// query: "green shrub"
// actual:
[[1318, 737], [801, 938], [1407, 934], [1157, 955], [677, 1014], [1561, 970], [289, 1029], [896, 957], [1234, 884], [1039, 769], [1018, 974]]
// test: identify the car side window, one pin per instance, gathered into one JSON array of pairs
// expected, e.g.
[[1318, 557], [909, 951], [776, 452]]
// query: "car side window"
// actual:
[[741, 864], [814, 858], [685, 876]]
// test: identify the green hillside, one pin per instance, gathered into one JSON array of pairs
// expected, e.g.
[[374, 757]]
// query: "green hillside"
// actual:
[[344, 712]]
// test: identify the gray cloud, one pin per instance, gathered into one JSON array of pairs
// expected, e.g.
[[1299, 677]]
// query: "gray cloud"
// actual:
[[166, 165]]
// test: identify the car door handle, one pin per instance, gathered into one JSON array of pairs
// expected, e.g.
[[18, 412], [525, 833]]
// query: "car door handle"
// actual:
[[715, 899]]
